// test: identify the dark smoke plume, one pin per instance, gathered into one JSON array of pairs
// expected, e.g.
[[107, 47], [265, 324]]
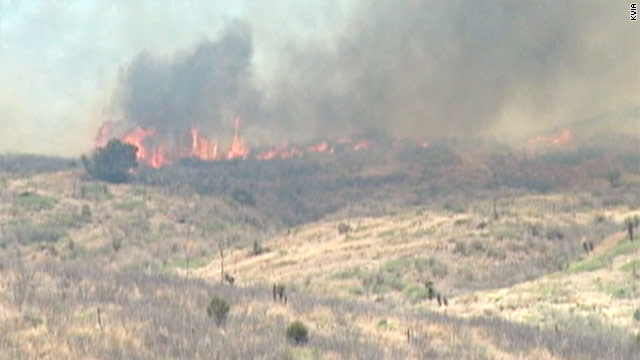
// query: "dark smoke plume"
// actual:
[[410, 68], [207, 88]]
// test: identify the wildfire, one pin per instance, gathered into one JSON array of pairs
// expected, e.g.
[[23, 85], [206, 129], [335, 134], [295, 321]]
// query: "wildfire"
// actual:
[[149, 153], [280, 152], [104, 135], [136, 138], [201, 147], [237, 149], [563, 136], [361, 145], [322, 146], [158, 158]]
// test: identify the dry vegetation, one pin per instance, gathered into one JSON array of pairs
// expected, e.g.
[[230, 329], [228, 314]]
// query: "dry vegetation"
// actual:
[[96, 271]]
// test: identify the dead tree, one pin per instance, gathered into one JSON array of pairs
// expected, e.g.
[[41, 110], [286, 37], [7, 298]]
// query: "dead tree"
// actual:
[[343, 228], [409, 335], [229, 278], [585, 246], [430, 290], [99, 318], [630, 229], [279, 294], [221, 266]]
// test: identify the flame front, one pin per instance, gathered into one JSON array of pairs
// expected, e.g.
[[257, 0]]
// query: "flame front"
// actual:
[[562, 137], [136, 138], [280, 152], [158, 158], [322, 146], [201, 147], [149, 153], [361, 145], [237, 149]]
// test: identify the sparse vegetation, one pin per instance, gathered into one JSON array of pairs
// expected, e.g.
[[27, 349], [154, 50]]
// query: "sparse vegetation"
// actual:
[[86, 212], [258, 249], [297, 332], [31, 201], [152, 294], [244, 197], [218, 309]]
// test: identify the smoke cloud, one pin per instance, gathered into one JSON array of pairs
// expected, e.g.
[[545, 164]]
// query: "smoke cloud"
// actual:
[[410, 68], [303, 70], [206, 88], [456, 68]]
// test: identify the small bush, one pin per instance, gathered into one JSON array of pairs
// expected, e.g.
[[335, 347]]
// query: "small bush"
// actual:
[[86, 212], [297, 332], [218, 309], [555, 234], [636, 315], [244, 197], [257, 248], [113, 162]]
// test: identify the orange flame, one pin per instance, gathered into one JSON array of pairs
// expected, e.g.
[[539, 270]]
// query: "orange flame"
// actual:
[[237, 149], [201, 147], [281, 152], [136, 138], [208, 150], [361, 145], [563, 136], [158, 158], [320, 147]]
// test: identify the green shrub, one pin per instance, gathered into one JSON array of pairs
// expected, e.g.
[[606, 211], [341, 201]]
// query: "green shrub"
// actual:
[[35, 202], [86, 212], [257, 248], [244, 197], [112, 163], [218, 309], [297, 332]]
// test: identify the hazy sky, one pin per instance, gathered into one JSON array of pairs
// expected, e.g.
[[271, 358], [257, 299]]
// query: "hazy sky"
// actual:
[[323, 65], [59, 60]]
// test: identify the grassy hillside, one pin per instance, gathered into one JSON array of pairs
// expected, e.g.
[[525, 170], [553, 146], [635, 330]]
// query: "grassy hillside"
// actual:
[[93, 270]]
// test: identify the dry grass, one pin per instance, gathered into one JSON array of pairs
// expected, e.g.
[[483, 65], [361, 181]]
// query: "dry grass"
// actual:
[[509, 280]]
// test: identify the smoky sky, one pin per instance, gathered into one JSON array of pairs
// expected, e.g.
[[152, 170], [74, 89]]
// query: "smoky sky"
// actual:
[[207, 88], [302, 70], [458, 68]]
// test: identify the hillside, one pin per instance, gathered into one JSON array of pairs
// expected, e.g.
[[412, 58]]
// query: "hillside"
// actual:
[[131, 276]]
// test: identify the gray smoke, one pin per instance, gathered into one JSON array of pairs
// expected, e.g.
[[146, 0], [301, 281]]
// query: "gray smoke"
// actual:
[[207, 88], [410, 68]]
